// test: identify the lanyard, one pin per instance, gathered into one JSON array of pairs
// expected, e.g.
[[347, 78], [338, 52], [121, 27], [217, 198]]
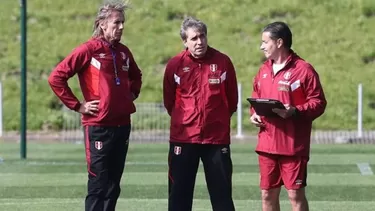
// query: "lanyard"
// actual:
[[117, 79]]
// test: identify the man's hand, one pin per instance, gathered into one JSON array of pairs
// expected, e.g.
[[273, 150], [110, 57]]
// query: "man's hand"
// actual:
[[285, 113], [256, 120], [91, 107]]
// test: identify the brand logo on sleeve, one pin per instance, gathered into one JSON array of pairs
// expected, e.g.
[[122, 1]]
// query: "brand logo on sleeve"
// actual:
[[126, 66], [123, 55]]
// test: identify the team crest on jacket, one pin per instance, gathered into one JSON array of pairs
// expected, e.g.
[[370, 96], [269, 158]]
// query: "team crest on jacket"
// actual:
[[287, 75], [98, 145], [177, 150], [213, 67]]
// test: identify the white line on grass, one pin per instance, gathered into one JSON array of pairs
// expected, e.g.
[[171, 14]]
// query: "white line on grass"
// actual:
[[365, 168]]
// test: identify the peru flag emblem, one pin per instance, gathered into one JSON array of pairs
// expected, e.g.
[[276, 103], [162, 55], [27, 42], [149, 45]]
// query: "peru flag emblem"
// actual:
[[213, 67], [177, 150]]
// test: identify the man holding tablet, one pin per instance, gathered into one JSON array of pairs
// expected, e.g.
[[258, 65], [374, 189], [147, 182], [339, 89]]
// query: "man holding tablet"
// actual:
[[284, 139]]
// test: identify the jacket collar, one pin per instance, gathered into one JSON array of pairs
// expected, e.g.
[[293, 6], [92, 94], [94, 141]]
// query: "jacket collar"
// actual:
[[209, 53], [106, 43], [292, 57]]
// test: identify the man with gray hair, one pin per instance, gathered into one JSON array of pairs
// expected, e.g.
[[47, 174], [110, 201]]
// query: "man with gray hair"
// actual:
[[110, 81], [200, 95]]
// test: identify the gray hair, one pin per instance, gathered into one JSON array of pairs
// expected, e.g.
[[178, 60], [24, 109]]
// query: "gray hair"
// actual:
[[190, 22], [105, 11]]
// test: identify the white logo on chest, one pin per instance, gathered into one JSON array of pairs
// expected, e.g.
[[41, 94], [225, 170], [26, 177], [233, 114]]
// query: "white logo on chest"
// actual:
[[213, 67], [287, 75]]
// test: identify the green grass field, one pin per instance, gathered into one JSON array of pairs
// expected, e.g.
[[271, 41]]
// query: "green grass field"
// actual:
[[336, 36], [53, 178]]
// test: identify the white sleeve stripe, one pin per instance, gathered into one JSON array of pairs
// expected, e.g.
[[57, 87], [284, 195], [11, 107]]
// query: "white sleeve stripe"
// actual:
[[95, 63], [223, 77], [176, 79]]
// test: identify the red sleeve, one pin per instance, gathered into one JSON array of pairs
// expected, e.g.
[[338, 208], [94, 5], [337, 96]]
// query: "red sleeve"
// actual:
[[255, 93], [169, 87], [232, 88], [75, 62], [135, 76], [315, 103]]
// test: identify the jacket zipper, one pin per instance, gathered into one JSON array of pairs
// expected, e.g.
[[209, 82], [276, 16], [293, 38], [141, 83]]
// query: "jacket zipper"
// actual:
[[203, 103], [273, 76]]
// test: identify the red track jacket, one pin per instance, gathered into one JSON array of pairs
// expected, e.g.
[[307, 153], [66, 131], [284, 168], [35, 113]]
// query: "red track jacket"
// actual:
[[200, 95], [298, 85], [93, 61]]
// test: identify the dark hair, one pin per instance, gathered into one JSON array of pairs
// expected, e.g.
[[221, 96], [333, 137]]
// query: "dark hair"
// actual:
[[280, 30]]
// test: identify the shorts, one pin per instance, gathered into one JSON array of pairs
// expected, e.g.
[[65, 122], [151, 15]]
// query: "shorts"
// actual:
[[278, 170]]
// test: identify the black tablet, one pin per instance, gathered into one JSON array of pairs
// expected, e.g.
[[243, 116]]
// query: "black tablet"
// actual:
[[263, 107]]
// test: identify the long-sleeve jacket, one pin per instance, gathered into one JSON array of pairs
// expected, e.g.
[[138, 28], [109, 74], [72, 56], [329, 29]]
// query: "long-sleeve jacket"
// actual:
[[298, 85], [98, 64], [200, 95]]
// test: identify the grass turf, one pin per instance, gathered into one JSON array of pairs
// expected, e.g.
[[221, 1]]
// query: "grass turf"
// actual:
[[54, 178], [335, 36]]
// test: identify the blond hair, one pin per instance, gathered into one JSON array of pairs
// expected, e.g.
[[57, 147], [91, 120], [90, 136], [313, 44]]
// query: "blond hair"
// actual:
[[105, 11]]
